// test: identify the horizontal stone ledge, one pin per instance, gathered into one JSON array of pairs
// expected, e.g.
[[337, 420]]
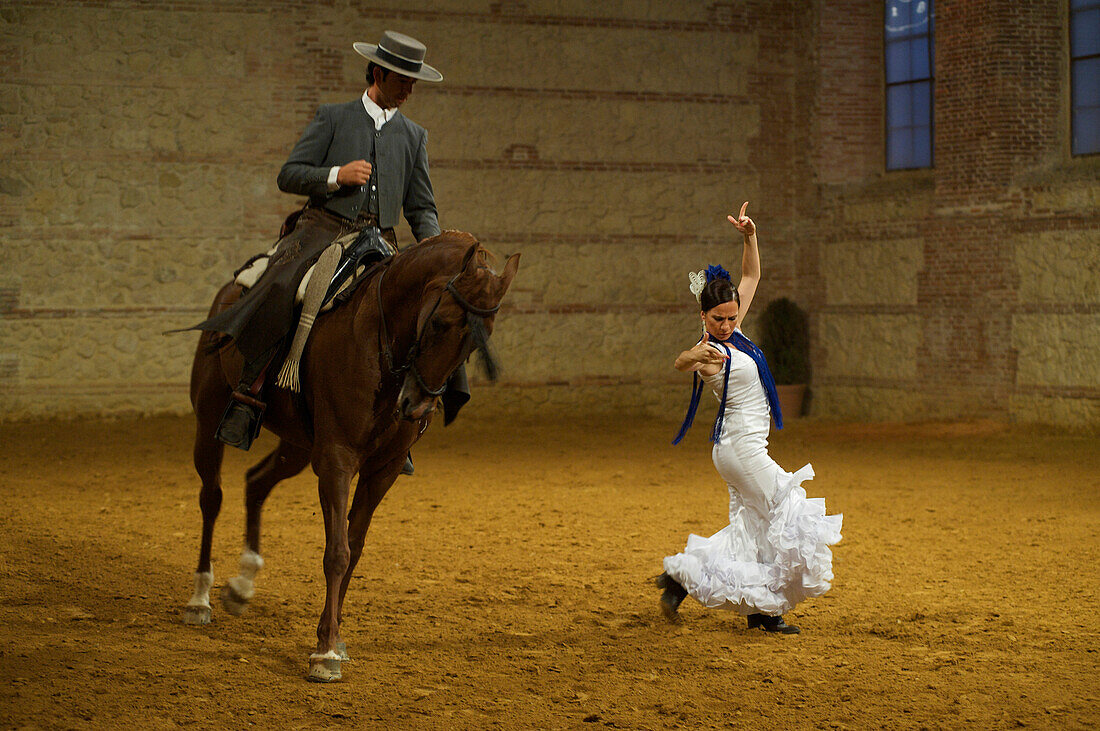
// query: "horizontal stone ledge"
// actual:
[[719, 20], [601, 166], [1058, 308], [875, 230], [216, 160], [719, 23], [1072, 219], [630, 95], [62, 313], [70, 388], [1075, 392], [870, 309], [939, 303], [32, 79], [86, 387], [893, 384], [980, 210], [596, 308], [78, 232], [572, 238]]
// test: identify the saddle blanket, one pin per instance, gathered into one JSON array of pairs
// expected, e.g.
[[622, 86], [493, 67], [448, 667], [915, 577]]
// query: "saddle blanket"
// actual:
[[251, 274]]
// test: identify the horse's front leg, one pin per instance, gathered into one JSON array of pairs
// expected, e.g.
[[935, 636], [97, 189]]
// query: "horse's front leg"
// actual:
[[334, 472], [285, 461], [369, 491]]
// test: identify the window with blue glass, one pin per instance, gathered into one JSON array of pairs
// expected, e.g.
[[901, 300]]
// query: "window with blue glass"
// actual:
[[1084, 62], [909, 76]]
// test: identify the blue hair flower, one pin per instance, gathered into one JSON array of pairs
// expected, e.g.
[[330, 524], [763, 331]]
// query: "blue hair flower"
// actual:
[[715, 271]]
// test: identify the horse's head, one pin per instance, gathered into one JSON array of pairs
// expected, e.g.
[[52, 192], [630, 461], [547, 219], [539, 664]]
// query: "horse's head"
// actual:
[[456, 314]]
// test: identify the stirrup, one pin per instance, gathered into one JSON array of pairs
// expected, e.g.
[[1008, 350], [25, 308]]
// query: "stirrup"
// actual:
[[240, 424]]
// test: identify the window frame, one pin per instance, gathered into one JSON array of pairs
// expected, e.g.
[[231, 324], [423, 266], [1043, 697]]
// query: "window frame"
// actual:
[[1072, 13], [929, 35]]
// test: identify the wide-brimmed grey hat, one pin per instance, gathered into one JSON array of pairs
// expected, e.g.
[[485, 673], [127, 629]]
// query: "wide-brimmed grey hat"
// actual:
[[400, 53]]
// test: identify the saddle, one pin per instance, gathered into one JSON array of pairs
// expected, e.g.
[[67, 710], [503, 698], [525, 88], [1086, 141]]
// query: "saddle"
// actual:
[[341, 266], [357, 251]]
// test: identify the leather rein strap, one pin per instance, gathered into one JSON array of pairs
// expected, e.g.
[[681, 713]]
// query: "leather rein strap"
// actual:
[[414, 351], [470, 309]]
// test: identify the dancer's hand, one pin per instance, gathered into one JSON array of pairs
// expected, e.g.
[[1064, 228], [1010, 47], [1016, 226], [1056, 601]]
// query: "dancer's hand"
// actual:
[[702, 358], [743, 223], [704, 354]]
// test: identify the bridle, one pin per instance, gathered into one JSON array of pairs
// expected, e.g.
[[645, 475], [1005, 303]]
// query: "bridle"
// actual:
[[414, 352]]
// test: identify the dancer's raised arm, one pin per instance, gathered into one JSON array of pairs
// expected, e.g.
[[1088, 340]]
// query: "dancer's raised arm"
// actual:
[[750, 262]]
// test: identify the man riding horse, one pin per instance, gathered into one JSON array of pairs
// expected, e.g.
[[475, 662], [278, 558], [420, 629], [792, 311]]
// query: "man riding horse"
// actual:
[[361, 163]]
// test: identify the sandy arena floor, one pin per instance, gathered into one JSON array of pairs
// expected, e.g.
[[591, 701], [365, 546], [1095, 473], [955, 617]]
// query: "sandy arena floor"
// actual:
[[507, 585]]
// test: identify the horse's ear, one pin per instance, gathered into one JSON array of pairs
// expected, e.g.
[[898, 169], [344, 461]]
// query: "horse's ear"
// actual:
[[510, 269], [469, 260]]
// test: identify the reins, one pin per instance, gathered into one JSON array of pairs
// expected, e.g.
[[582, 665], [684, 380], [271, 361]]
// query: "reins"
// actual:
[[414, 351], [470, 309]]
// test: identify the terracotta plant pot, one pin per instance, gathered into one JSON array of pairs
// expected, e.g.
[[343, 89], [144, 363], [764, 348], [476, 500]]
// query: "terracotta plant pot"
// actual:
[[790, 400]]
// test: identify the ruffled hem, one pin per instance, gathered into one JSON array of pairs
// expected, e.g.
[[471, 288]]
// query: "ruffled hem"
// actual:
[[714, 570]]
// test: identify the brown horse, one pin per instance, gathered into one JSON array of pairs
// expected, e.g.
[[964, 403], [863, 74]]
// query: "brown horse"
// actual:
[[371, 376]]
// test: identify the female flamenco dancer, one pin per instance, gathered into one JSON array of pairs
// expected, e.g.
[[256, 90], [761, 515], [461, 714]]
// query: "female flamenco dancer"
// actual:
[[775, 551]]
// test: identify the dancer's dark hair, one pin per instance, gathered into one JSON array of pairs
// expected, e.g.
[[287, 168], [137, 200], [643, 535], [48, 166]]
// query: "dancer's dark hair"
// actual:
[[717, 292]]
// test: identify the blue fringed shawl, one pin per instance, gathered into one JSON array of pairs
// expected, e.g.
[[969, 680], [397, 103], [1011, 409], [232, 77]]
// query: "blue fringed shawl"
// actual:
[[746, 346]]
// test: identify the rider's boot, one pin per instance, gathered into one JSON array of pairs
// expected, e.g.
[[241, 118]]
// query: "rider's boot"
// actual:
[[240, 424]]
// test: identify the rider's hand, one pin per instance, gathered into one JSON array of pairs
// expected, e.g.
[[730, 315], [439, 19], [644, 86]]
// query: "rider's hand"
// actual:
[[356, 172], [743, 223]]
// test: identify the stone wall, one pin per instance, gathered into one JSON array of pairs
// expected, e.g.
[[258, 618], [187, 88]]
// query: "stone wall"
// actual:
[[971, 289], [605, 141], [597, 139]]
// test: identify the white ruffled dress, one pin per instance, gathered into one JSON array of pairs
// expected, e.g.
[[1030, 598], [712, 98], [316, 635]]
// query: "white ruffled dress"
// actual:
[[775, 551]]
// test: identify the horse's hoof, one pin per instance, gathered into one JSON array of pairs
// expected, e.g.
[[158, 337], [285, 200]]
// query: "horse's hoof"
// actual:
[[233, 602], [342, 650], [196, 614], [324, 670]]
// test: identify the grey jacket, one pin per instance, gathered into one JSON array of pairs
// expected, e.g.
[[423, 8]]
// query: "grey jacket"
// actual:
[[341, 133]]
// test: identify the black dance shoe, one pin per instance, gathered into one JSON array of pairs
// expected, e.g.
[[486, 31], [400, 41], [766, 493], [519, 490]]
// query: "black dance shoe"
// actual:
[[408, 468], [672, 597], [772, 624]]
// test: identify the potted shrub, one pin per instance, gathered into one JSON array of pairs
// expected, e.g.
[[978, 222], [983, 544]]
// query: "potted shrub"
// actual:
[[785, 340]]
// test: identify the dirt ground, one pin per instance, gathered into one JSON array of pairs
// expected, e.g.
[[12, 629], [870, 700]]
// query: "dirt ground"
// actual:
[[507, 584]]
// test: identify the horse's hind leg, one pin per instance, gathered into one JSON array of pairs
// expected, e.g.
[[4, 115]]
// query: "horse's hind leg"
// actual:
[[209, 393], [208, 462], [285, 461]]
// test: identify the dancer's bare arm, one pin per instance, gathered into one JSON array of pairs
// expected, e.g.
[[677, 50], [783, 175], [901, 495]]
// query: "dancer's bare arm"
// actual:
[[750, 262], [702, 358]]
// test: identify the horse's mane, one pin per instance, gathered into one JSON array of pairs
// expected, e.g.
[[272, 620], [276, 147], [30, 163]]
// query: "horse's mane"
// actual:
[[450, 241]]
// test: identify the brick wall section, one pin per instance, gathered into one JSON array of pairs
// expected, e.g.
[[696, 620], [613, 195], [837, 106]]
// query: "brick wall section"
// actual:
[[1008, 328], [847, 101]]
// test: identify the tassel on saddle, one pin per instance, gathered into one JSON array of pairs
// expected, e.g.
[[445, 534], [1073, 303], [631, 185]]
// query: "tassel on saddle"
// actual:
[[330, 276]]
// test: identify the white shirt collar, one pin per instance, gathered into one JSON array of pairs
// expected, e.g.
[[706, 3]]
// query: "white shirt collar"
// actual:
[[377, 113]]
